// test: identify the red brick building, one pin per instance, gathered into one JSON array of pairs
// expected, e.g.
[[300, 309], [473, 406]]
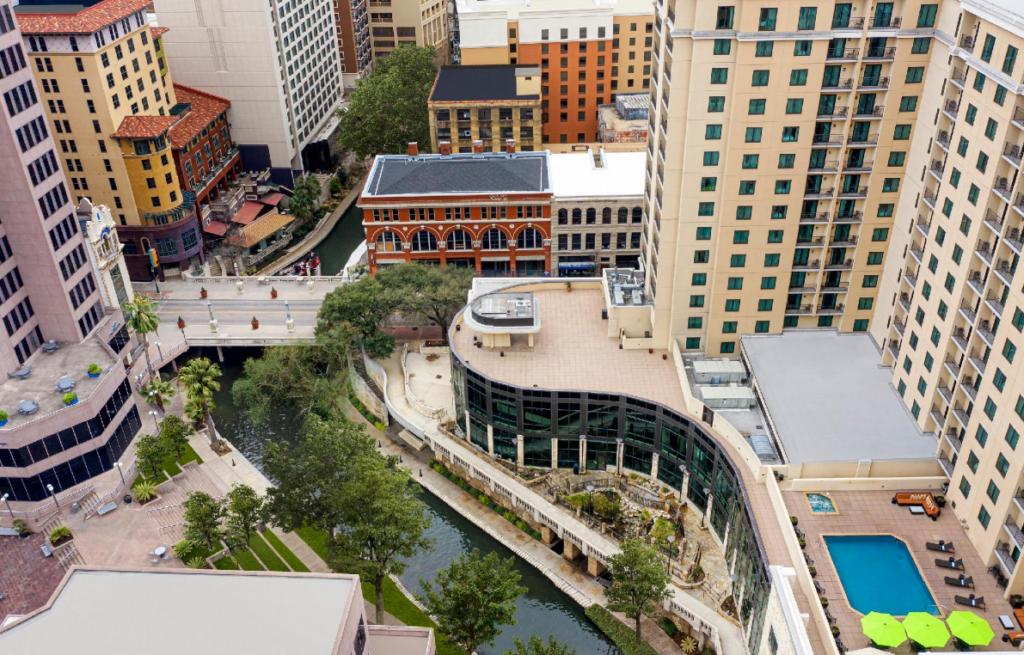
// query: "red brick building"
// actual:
[[204, 154], [488, 211]]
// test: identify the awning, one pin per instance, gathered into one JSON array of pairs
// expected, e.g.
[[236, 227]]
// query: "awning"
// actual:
[[248, 213], [252, 234], [216, 228], [273, 200], [576, 266]]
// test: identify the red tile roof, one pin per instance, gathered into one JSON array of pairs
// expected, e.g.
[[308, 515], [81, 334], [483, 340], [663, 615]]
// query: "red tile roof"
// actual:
[[87, 21], [272, 200], [248, 213], [206, 107], [143, 127], [216, 228], [157, 32]]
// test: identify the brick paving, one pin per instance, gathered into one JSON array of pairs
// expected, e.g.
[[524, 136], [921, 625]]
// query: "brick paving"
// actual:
[[872, 512], [26, 577]]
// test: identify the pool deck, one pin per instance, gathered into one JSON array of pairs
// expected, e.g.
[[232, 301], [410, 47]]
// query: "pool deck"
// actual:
[[872, 512]]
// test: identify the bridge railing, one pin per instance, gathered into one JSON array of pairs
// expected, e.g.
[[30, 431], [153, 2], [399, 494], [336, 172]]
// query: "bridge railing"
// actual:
[[275, 279]]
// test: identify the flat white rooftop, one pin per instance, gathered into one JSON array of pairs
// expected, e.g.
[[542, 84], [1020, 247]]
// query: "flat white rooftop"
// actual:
[[573, 175], [164, 613], [831, 401]]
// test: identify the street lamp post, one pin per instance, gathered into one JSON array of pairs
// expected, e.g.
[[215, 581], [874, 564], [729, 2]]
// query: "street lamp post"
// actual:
[[159, 351], [119, 470], [213, 321], [8, 503], [707, 504], [49, 488], [156, 421], [289, 321], [590, 491], [668, 564]]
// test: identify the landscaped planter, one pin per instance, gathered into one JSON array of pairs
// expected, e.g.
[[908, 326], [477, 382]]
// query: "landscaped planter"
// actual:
[[62, 534], [3, 418], [94, 370], [70, 398]]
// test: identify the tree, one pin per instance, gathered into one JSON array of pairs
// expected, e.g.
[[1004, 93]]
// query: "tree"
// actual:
[[385, 525], [175, 433], [537, 646], [388, 108], [337, 186], [314, 476], [297, 379], [199, 379], [203, 514], [140, 315], [638, 581], [150, 452], [159, 389], [431, 291], [244, 511], [305, 198], [472, 597], [357, 312]]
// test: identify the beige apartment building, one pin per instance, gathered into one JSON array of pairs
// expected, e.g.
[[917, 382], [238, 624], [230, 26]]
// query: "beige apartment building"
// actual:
[[409, 22]]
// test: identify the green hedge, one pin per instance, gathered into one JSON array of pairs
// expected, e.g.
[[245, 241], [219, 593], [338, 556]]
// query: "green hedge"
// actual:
[[617, 631], [507, 514], [369, 416]]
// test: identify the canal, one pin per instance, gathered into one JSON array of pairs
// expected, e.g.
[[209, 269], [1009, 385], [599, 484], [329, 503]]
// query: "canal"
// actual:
[[543, 609], [338, 246]]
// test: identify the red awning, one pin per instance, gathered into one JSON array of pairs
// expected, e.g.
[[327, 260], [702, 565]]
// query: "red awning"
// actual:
[[216, 228], [248, 213], [272, 200]]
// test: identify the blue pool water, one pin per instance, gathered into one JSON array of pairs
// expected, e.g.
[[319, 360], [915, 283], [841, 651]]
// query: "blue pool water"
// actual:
[[878, 574], [821, 504]]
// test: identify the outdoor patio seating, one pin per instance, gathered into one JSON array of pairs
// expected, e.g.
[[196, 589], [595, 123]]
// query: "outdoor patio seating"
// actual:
[[51, 347], [28, 407], [65, 384], [960, 581], [1013, 638], [970, 601], [21, 374], [924, 500], [950, 563], [942, 546]]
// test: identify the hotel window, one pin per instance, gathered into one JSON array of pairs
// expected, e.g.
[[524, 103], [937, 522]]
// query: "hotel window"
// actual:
[[756, 107], [760, 78], [767, 20]]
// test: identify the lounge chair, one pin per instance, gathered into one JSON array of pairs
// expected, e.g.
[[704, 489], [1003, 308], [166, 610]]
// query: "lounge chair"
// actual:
[[1013, 638], [942, 547], [971, 602], [950, 563], [960, 582], [925, 500]]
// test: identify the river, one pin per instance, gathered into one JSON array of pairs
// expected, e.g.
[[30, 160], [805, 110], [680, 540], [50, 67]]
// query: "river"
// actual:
[[543, 609]]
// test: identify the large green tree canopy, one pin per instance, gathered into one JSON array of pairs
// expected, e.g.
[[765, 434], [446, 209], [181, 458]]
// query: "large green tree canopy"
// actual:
[[388, 108]]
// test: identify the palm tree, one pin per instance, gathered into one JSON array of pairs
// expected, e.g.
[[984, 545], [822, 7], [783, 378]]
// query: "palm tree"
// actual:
[[199, 379], [159, 389], [140, 315]]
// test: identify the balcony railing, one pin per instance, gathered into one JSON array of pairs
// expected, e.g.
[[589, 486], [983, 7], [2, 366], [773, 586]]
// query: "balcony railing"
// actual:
[[874, 83], [1002, 552], [813, 264], [826, 140], [1018, 117], [984, 252], [1012, 153], [893, 348], [1015, 533], [819, 193], [837, 112], [976, 282], [952, 366], [848, 24], [958, 77], [854, 192], [995, 303], [810, 242], [880, 53], [798, 310], [917, 251], [843, 241], [911, 280], [831, 311], [881, 23], [946, 466], [942, 139], [862, 138], [820, 217], [842, 53], [937, 416], [841, 84], [967, 43], [839, 265], [929, 197], [900, 328], [960, 339], [1013, 240], [862, 167], [985, 331], [952, 107], [969, 311], [850, 217], [937, 167], [923, 226], [904, 301], [875, 111], [830, 166], [976, 360]]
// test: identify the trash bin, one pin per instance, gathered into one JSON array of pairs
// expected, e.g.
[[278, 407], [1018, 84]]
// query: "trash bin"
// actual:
[[74, 508]]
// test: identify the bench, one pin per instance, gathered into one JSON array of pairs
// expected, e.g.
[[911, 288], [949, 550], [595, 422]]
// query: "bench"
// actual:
[[47, 551], [106, 509], [8, 532]]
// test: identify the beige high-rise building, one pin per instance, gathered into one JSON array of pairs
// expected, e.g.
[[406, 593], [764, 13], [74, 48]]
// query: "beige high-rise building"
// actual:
[[409, 22]]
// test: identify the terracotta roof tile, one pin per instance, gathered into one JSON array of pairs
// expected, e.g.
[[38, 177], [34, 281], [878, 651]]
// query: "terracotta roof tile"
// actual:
[[255, 232], [157, 32], [87, 21], [143, 127], [205, 108]]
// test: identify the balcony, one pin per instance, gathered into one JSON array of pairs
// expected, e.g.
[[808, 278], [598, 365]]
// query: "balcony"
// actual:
[[951, 109], [1018, 499], [976, 283], [1013, 240], [842, 54], [813, 219], [851, 218], [813, 242], [869, 112], [855, 192], [831, 311], [1004, 271], [846, 265], [994, 221], [1002, 189], [812, 265], [819, 194], [1012, 154], [910, 279], [960, 339], [880, 54], [848, 24], [961, 415], [952, 367], [946, 466], [799, 310], [837, 84], [968, 312], [984, 252], [873, 83], [848, 241], [904, 302], [838, 113], [970, 389], [958, 77], [893, 348], [1018, 204], [936, 168], [923, 226], [985, 331], [942, 140], [826, 141], [831, 166], [937, 417], [995, 303], [1002, 552], [803, 289], [917, 252], [862, 167], [885, 23], [967, 43], [1018, 117], [863, 139], [977, 362], [930, 197], [946, 395], [835, 288], [1015, 534], [954, 441]]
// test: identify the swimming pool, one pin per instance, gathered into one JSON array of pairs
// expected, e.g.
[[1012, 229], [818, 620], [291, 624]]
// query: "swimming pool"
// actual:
[[820, 503], [879, 574]]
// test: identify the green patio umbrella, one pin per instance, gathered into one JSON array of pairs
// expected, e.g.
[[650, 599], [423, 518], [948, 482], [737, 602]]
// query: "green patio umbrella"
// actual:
[[970, 628], [883, 630], [926, 629]]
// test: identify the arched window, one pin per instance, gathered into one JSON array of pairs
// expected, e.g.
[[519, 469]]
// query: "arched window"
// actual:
[[389, 241], [494, 239], [424, 240], [591, 215], [563, 216], [529, 238], [577, 216], [638, 214], [459, 240], [623, 215], [606, 215]]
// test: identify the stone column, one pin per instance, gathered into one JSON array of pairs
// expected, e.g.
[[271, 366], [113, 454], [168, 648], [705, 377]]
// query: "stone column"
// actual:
[[520, 455], [594, 566], [686, 484], [468, 428], [583, 454], [490, 440], [570, 551], [620, 449], [654, 466], [707, 510], [554, 453]]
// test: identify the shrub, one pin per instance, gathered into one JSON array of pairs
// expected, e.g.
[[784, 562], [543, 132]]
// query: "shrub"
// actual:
[[824, 601], [3, 415], [183, 549], [618, 632], [69, 397], [668, 626], [196, 563], [59, 532], [95, 369], [689, 645], [20, 526], [794, 520], [145, 492], [380, 426], [813, 571]]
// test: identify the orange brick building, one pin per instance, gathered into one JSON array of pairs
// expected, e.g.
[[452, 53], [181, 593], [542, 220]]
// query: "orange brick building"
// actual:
[[486, 211]]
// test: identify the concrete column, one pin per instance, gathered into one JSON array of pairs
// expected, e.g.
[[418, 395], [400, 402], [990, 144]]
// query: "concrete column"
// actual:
[[490, 440], [220, 354], [554, 453], [654, 466], [707, 511], [571, 551], [583, 455], [520, 455], [547, 535], [620, 449], [466, 436], [686, 484], [594, 566]]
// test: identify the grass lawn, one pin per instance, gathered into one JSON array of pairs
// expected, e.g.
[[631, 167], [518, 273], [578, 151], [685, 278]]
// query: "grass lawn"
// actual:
[[395, 602], [286, 553], [248, 561], [171, 465], [266, 553], [141, 478], [225, 564]]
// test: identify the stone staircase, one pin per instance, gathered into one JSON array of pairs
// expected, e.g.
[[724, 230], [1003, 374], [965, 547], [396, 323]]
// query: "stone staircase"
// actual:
[[167, 511], [360, 368], [68, 555], [216, 266], [89, 503]]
